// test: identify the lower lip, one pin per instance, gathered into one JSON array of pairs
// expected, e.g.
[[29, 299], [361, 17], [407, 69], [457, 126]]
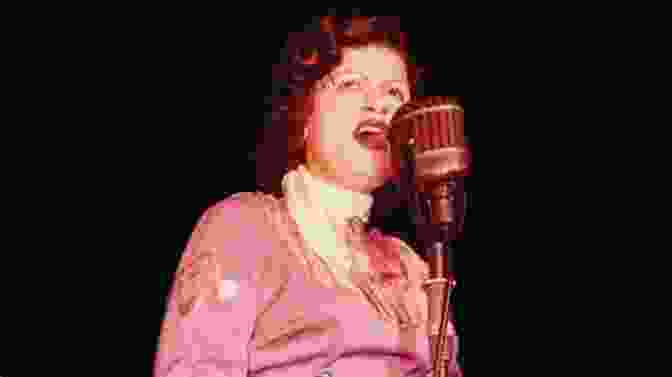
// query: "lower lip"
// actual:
[[373, 141]]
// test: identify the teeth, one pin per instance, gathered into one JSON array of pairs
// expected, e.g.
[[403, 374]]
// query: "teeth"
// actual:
[[370, 129]]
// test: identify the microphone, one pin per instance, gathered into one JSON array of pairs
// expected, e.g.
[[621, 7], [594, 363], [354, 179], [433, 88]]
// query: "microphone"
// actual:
[[430, 157]]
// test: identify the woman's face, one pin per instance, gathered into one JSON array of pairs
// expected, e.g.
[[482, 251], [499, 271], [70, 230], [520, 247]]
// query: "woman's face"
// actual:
[[343, 143]]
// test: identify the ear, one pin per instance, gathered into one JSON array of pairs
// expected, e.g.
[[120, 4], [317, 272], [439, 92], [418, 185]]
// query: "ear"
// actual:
[[306, 129]]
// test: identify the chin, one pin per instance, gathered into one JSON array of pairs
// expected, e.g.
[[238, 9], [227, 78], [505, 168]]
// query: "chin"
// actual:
[[368, 180], [365, 172]]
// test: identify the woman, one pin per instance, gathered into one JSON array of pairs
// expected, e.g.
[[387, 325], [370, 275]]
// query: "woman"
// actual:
[[295, 285]]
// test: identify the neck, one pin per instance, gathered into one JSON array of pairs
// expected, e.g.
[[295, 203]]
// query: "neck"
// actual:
[[339, 203], [363, 184]]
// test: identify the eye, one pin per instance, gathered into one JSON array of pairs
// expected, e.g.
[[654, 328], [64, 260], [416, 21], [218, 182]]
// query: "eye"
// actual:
[[350, 83], [398, 93]]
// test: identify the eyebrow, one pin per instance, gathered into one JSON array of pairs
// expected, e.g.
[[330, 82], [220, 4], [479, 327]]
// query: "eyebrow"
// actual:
[[346, 71]]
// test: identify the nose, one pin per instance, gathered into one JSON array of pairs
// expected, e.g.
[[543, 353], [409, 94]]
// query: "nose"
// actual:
[[382, 112], [377, 103], [371, 109], [378, 107]]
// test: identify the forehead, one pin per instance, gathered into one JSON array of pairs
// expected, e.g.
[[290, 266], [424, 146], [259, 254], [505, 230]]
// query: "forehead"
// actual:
[[377, 63]]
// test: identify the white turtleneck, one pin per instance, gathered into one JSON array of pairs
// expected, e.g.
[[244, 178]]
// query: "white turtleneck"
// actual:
[[320, 209], [338, 203]]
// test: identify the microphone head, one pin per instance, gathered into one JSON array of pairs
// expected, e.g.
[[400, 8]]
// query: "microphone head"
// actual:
[[430, 131]]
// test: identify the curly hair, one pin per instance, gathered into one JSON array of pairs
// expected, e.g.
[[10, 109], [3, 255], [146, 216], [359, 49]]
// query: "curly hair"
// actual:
[[307, 57]]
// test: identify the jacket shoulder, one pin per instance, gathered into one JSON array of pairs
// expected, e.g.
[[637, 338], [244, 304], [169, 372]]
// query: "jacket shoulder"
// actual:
[[244, 208], [231, 242]]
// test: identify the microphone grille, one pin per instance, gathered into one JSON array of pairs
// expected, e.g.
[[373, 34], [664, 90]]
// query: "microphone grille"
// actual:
[[422, 105]]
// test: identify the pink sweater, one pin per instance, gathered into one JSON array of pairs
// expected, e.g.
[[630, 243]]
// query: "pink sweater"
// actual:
[[249, 299]]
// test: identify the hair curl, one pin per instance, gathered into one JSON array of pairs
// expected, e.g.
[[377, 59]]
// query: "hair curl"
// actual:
[[307, 57]]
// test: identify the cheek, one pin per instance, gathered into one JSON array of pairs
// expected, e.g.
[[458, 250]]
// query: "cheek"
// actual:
[[337, 118], [343, 110]]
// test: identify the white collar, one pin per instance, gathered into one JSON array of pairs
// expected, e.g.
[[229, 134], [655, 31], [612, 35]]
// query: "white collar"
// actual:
[[339, 204], [319, 208]]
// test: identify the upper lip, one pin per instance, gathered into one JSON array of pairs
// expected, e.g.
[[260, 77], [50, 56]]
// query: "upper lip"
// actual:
[[372, 125]]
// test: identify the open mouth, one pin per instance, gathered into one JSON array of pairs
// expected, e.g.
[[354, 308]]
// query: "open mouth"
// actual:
[[372, 134]]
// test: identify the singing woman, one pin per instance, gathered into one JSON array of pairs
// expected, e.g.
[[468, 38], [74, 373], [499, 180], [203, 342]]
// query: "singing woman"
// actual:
[[296, 284]]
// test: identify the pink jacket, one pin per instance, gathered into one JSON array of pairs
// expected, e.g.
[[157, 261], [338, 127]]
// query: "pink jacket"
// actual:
[[250, 300]]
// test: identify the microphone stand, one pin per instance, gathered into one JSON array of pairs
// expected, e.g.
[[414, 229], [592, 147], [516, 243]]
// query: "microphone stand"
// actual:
[[436, 226], [440, 255]]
